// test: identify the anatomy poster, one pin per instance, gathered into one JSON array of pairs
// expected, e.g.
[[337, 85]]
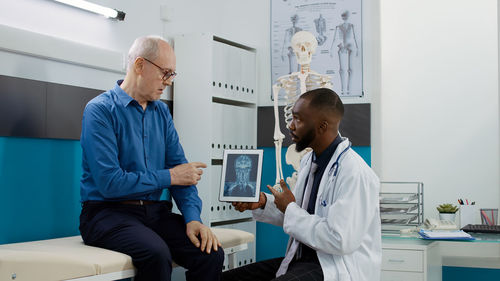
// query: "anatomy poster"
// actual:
[[337, 28]]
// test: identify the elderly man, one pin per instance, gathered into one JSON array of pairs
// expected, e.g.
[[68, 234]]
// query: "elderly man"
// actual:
[[131, 155]]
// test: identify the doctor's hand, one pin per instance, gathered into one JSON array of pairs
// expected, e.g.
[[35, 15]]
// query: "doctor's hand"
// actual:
[[243, 206], [186, 174], [282, 199], [196, 230]]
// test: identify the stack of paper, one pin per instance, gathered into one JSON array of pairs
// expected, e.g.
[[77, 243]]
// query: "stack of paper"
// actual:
[[445, 234]]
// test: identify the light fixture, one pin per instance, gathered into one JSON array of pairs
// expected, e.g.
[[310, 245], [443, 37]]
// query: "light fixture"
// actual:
[[98, 9]]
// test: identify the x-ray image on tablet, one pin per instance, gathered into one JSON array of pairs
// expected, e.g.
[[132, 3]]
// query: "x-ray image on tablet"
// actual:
[[241, 172]]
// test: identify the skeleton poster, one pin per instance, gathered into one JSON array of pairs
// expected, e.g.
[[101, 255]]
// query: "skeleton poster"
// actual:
[[337, 28]]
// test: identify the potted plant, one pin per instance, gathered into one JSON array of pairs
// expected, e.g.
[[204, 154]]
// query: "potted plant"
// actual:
[[447, 211]]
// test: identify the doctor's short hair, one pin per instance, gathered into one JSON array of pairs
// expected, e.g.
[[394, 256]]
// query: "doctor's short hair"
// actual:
[[325, 100], [146, 47]]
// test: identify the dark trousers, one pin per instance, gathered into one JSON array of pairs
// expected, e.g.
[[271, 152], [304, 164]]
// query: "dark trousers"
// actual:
[[152, 235], [266, 270]]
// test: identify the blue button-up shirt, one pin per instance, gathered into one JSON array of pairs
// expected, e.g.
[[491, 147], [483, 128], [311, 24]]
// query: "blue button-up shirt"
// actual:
[[127, 152]]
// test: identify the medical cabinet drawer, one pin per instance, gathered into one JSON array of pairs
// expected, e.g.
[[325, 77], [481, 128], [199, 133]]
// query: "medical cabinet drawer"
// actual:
[[401, 276], [402, 260]]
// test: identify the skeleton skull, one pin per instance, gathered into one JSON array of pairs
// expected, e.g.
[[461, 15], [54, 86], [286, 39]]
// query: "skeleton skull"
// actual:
[[345, 15], [304, 45], [243, 166]]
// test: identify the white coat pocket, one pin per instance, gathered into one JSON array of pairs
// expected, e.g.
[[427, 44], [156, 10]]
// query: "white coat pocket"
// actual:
[[322, 206]]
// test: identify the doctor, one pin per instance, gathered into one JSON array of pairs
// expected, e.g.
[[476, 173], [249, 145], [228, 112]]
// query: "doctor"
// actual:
[[332, 216]]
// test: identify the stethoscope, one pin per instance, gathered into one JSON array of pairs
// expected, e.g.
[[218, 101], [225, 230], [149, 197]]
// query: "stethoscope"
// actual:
[[334, 169], [335, 166]]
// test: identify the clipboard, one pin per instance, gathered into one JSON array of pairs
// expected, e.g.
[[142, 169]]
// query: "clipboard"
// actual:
[[445, 235]]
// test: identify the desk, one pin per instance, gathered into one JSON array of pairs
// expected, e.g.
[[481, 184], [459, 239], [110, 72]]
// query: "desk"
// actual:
[[409, 257]]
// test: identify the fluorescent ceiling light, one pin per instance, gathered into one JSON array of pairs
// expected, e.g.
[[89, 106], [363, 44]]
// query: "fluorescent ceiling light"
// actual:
[[98, 9]]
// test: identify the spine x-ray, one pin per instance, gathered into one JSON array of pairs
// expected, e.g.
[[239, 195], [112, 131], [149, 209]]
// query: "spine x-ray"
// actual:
[[337, 27]]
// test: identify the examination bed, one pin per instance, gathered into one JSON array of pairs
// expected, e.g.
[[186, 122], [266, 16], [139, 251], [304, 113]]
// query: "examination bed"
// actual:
[[69, 259]]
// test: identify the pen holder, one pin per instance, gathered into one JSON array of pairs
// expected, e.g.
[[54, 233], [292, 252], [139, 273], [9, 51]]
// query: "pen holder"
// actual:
[[467, 215], [489, 216]]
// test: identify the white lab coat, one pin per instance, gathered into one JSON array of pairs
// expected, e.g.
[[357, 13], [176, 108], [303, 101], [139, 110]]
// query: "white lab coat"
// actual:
[[345, 229]]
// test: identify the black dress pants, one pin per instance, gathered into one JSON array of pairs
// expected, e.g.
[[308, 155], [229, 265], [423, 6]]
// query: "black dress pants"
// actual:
[[152, 235], [301, 270]]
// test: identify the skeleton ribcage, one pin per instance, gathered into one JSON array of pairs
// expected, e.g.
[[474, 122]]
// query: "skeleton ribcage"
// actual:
[[291, 85]]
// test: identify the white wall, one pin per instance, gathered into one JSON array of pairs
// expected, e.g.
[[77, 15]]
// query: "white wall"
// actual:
[[432, 78], [238, 20], [64, 22], [439, 101]]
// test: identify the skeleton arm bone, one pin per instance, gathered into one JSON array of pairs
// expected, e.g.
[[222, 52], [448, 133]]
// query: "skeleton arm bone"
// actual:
[[333, 41], [355, 41], [278, 136]]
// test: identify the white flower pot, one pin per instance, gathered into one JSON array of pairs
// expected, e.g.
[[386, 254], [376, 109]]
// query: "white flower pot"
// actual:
[[447, 216]]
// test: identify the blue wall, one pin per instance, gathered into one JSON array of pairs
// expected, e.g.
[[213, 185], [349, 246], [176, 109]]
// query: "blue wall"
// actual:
[[39, 188], [271, 240]]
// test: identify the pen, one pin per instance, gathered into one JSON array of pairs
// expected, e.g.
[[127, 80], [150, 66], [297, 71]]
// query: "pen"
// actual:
[[467, 201]]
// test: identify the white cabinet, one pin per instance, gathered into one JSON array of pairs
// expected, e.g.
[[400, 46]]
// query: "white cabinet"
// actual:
[[401, 275], [404, 260], [215, 108]]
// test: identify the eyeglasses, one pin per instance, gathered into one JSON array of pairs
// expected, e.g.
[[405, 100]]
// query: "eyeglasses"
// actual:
[[166, 73]]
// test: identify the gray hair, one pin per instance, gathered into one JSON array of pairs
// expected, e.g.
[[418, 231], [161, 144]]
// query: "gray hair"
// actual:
[[146, 47]]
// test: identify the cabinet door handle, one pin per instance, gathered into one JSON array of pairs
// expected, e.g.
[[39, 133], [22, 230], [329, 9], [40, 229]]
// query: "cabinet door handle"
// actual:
[[393, 260]]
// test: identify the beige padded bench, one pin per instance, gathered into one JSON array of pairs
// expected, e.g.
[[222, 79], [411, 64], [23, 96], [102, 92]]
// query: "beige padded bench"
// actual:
[[69, 259]]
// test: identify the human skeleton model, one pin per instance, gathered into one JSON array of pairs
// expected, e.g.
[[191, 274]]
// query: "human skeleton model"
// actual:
[[289, 32], [320, 24], [345, 50], [304, 45]]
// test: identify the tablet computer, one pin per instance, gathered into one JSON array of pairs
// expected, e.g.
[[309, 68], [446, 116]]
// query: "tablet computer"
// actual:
[[241, 172]]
